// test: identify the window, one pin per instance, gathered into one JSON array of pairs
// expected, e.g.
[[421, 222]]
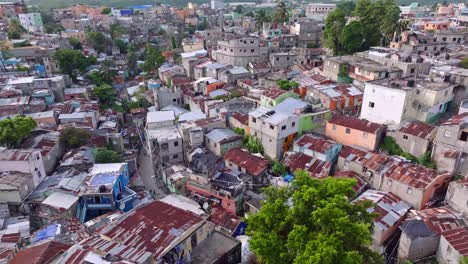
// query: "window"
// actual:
[[348, 131], [252, 50], [175, 156], [176, 143], [412, 70], [334, 127], [389, 182], [418, 92], [409, 190], [283, 127], [254, 119], [371, 104], [293, 124], [272, 127]]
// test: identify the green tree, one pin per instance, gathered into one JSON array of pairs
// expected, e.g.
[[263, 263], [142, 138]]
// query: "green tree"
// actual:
[[75, 43], [203, 25], [347, 7], [13, 130], [106, 11], [253, 144], [107, 72], [287, 85], [239, 9], [281, 14], [53, 28], [362, 7], [426, 160], [106, 95], [334, 24], [116, 30], [174, 42], [13, 34], [71, 61], [74, 137], [106, 156], [153, 60], [97, 40], [390, 21], [278, 168], [312, 221], [351, 37], [122, 45], [132, 59], [260, 18], [15, 26], [463, 63]]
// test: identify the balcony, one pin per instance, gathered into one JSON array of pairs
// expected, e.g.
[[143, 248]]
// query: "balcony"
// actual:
[[126, 198]]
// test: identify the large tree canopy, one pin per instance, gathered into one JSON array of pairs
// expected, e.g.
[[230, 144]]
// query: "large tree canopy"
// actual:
[[312, 222], [13, 130], [71, 61]]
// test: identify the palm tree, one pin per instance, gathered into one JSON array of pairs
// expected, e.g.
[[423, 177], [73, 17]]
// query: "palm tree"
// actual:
[[282, 12], [260, 18], [107, 73]]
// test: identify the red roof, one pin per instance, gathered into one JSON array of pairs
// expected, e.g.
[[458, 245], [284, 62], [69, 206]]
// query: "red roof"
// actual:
[[371, 160], [458, 239], [40, 254], [355, 123], [317, 168], [152, 227], [315, 143], [412, 174], [252, 164], [224, 219], [273, 93], [416, 128], [360, 183], [456, 120], [439, 219], [242, 118]]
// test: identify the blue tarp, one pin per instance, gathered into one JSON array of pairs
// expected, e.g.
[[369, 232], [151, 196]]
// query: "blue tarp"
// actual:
[[288, 178], [45, 233], [103, 178]]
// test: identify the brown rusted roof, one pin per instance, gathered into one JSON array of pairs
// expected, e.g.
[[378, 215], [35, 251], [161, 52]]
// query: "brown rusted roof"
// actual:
[[456, 120], [416, 128], [438, 219], [242, 118], [300, 161], [149, 228], [40, 254], [412, 174], [355, 123], [371, 160], [273, 93], [252, 164], [315, 143], [458, 239]]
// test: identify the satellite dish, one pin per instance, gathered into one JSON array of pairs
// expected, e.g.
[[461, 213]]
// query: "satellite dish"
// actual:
[[205, 206], [122, 206]]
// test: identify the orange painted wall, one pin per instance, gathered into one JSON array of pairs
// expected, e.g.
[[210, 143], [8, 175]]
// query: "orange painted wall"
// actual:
[[355, 138]]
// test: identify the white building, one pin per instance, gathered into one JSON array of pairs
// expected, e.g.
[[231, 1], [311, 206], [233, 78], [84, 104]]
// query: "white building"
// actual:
[[319, 11], [217, 4], [32, 22], [24, 161]]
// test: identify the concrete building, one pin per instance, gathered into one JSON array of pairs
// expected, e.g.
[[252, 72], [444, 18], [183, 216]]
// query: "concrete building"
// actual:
[[240, 51], [221, 140], [453, 246], [320, 148], [319, 11], [410, 64], [414, 137], [24, 161], [276, 131], [217, 4], [457, 193], [281, 60], [309, 33], [421, 231], [255, 167], [357, 68], [32, 22], [450, 149], [393, 101], [354, 132], [391, 211]]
